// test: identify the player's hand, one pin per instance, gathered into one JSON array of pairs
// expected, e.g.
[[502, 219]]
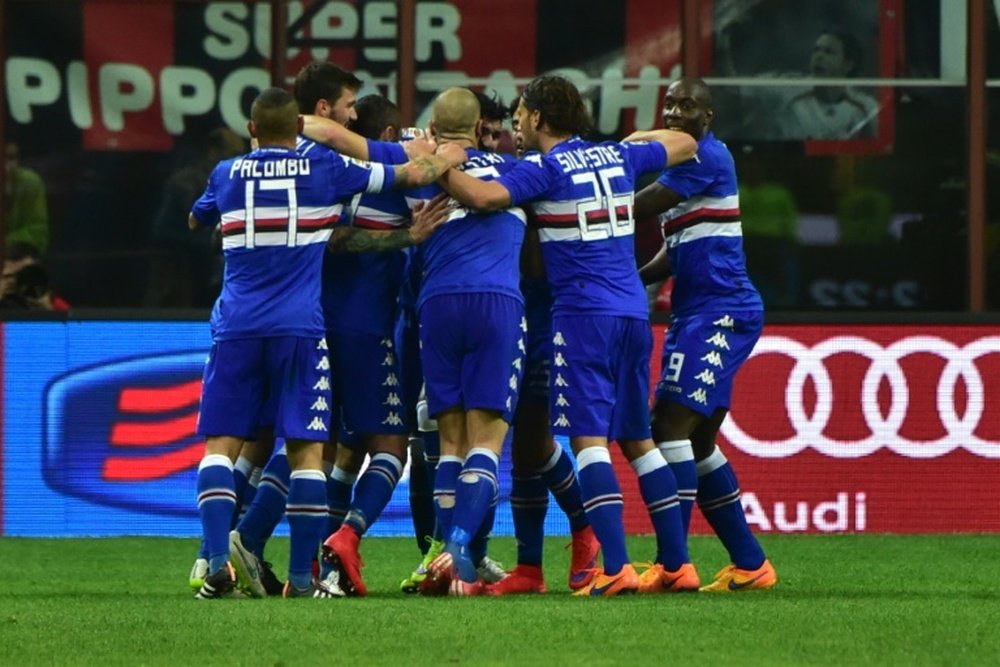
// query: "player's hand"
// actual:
[[419, 147], [427, 218], [453, 154]]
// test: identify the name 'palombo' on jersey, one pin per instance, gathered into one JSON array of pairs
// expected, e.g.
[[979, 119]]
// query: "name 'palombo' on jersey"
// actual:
[[251, 168]]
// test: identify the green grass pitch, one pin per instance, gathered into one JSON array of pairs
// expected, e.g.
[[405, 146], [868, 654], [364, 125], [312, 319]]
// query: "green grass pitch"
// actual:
[[841, 600]]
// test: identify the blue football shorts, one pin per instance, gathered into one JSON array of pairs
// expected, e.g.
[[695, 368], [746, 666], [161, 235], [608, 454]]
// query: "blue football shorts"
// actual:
[[701, 355], [243, 376], [472, 351], [599, 376]]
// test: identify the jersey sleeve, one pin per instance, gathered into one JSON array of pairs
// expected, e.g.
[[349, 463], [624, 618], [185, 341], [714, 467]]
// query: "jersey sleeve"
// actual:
[[206, 209], [689, 178], [388, 152], [646, 157], [352, 176], [529, 179]]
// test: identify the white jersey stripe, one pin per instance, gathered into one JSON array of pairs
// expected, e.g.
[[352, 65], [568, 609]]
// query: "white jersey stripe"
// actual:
[[697, 232]]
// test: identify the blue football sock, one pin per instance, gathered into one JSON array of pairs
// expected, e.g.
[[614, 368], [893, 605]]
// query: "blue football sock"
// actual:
[[374, 491], [719, 501], [659, 492], [339, 485], [479, 546], [307, 516], [680, 458], [268, 506], [602, 500], [474, 492], [529, 502], [444, 492], [216, 504], [241, 479], [421, 496], [561, 479], [249, 493]]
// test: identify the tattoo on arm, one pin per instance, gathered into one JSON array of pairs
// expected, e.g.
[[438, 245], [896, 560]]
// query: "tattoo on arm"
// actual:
[[419, 171], [353, 239]]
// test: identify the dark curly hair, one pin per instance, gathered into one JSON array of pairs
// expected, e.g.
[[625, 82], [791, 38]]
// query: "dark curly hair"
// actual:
[[559, 103]]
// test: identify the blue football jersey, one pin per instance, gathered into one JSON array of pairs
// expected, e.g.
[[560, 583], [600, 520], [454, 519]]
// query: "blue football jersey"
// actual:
[[581, 194], [277, 208], [704, 236], [360, 289], [473, 252]]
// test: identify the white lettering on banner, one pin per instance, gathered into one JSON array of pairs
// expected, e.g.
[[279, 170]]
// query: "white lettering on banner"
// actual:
[[831, 516], [236, 31], [960, 430]]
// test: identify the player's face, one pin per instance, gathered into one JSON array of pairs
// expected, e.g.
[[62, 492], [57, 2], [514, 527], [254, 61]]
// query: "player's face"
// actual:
[[828, 58], [518, 138], [681, 111], [524, 119], [489, 135], [342, 110]]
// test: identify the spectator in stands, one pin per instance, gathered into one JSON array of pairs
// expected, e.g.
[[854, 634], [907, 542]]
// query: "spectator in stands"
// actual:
[[27, 212], [25, 282], [187, 270]]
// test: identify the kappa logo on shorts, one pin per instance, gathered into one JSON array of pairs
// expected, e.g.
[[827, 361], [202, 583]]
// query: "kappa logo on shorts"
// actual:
[[512, 382], [322, 344], [562, 421], [516, 363], [699, 396], [561, 401], [390, 381], [324, 364], [320, 404], [389, 360], [393, 419], [560, 381], [718, 339], [558, 339], [392, 399], [386, 342], [726, 322], [713, 358], [316, 424], [323, 384], [706, 376], [559, 360], [116, 433]]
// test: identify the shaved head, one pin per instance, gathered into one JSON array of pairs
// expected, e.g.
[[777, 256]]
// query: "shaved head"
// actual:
[[697, 89], [274, 116], [455, 113]]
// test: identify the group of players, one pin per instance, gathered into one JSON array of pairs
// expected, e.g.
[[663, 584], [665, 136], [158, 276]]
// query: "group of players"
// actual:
[[520, 303]]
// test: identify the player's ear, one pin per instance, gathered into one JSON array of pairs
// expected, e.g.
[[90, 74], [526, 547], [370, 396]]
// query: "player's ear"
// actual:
[[431, 129], [252, 129], [300, 124], [709, 116], [389, 134], [478, 132]]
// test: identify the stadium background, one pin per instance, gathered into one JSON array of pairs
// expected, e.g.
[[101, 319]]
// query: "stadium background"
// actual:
[[106, 98]]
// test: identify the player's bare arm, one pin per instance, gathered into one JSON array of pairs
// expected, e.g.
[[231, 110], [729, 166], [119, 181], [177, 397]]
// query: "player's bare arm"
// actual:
[[656, 269], [654, 199], [680, 146], [428, 168], [475, 193], [426, 219], [336, 136]]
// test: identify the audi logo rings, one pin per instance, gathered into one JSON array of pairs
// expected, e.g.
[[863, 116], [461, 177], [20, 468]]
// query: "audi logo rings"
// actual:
[[885, 429]]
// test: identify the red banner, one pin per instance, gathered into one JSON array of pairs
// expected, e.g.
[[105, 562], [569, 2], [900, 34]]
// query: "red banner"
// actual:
[[888, 429]]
